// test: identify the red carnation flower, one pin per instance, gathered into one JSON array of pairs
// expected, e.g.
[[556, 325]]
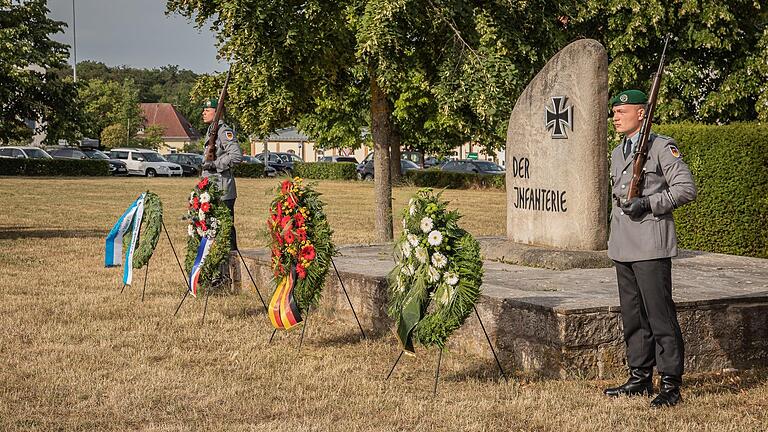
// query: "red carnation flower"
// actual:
[[203, 183], [299, 219], [196, 203], [308, 252], [301, 271], [285, 222], [289, 237], [286, 187], [205, 207], [202, 225]]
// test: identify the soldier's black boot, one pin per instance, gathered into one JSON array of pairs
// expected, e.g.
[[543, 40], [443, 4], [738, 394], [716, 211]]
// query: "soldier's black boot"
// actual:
[[640, 382], [669, 393]]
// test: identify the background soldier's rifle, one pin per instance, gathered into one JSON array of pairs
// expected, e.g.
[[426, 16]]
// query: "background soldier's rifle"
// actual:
[[641, 153], [210, 146]]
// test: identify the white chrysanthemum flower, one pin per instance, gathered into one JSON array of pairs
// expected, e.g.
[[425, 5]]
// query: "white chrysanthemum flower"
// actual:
[[426, 224], [434, 274], [190, 230], [211, 233], [413, 239], [400, 285], [439, 260], [406, 248], [404, 270], [447, 295], [411, 270], [205, 197], [214, 223], [201, 214], [421, 254], [435, 238], [451, 278], [412, 210]]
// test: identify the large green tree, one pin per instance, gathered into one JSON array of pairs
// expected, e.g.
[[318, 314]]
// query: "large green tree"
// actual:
[[29, 90], [717, 69], [110, 103], [427, 74]]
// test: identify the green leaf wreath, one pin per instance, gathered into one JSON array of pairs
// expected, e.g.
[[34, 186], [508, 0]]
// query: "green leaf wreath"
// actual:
[[300, 238], [436, 280], [209, 217], [149, 234]]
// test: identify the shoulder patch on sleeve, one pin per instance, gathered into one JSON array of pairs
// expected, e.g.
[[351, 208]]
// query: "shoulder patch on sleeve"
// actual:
[[675, 151], [229, 134]]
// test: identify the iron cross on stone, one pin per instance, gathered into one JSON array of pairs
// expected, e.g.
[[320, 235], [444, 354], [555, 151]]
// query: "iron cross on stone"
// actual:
[[559, 118]]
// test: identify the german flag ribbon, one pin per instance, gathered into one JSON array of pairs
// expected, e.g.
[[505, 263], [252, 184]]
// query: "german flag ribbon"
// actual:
[[283, 310]]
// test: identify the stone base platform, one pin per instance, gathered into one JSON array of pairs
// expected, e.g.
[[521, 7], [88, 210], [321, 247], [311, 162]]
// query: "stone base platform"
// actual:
[[567, 323]]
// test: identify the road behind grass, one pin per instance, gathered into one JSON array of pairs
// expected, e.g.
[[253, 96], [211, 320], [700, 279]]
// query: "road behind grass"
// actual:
[[77, 355]]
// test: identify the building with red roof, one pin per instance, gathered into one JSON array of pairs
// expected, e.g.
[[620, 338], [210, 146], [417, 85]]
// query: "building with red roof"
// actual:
[[177, 129]]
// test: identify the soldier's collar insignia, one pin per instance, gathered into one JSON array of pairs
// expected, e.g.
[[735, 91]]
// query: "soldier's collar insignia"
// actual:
[[230, 136], [674, 150]]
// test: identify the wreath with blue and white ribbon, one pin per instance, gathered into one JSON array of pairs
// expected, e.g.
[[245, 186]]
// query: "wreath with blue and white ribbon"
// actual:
[[436, 280]]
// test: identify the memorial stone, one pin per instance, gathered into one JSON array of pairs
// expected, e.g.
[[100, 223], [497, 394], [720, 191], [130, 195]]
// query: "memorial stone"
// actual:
[[556, 155]]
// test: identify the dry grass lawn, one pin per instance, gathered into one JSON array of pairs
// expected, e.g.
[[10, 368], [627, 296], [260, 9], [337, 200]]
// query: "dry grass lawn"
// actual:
[[77, 355]]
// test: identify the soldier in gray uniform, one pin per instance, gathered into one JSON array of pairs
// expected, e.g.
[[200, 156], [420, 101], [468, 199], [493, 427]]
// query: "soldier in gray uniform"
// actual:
[[228, 154], [641, 244]]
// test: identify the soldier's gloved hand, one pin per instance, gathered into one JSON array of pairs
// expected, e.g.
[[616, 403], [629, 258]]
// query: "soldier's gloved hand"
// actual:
[[636, 207], [209, 166]]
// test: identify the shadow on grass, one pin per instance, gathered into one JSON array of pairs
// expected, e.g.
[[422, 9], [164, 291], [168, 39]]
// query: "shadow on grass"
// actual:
[[725, 383], [15, 233]]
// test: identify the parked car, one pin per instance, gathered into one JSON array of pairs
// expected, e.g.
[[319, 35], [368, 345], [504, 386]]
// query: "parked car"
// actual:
[[290, 159], [116, 167], [146, 162], [365, 171], [472, 166], [191, 163], [66, 153], [337, 159], [275, 161], [412, 156], [23, 153]]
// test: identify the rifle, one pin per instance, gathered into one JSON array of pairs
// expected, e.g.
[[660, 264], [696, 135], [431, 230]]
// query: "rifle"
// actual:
[[210, 146], [641, 153]]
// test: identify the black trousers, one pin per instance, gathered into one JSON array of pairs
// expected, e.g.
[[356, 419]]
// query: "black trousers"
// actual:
[[232, 234], [651, 330]]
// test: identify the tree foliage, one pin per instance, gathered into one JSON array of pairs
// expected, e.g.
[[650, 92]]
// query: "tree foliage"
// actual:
[[28, 89], [106, 103], [718, 56]]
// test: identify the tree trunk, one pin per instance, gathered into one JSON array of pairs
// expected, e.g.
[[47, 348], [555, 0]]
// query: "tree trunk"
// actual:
[[381, 131], [394, 155]]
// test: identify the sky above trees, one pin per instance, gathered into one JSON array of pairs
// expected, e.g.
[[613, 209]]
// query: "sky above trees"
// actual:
[[135, 33]]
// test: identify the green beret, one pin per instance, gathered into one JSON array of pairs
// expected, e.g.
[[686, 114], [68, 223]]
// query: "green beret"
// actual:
[[211, 103], [629, 97]]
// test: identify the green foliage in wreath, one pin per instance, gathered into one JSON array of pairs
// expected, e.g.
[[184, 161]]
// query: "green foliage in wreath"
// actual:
[[149, 234], [300, 237], [436, 280], [208, 216]]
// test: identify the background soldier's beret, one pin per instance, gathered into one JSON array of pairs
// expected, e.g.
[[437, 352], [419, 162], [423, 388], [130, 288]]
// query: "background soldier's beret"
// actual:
[[628, 97], [211, 103]]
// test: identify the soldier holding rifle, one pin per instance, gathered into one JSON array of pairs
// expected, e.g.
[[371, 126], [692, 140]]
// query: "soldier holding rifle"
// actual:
[[650, 180], [222, 153]]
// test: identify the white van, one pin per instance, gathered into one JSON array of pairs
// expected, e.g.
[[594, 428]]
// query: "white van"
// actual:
[[146, 162]]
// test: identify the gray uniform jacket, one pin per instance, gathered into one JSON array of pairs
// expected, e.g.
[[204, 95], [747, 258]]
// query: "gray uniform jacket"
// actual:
[[228, 154], [668, 184]]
